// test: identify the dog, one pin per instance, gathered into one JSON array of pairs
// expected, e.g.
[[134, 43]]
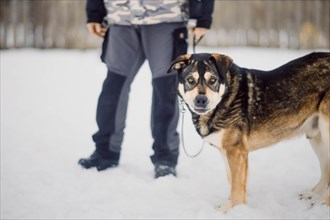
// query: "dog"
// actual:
[[239, 110]]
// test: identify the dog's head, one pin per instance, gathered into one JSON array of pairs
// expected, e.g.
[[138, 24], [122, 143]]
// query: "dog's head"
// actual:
[[202, 79]]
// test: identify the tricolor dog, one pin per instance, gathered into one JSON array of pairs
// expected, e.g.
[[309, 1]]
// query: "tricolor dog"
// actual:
[[239, 110]]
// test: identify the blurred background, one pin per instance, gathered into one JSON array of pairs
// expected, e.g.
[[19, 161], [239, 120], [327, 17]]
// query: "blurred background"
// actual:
[[295, 24]]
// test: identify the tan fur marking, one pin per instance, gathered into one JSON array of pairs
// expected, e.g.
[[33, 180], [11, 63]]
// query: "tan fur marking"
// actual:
[[235, 145], [325, 106], [282, 127], [207, 76]]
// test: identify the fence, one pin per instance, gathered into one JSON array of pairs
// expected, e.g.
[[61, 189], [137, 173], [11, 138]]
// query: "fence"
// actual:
[[267, 23], [44, 24], [277, 23]]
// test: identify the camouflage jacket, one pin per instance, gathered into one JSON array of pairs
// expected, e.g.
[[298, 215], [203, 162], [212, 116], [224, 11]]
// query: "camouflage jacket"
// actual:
[[145, 12]]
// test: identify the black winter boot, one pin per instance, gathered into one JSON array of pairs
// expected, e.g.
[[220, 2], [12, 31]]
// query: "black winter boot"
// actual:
[[164, 170], [99, 161]]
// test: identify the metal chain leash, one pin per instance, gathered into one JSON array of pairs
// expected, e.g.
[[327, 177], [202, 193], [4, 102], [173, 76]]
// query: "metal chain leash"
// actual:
[[183, 110]]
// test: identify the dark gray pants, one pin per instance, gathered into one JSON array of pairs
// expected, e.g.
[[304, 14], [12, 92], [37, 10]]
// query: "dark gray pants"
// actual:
[[127, 49]]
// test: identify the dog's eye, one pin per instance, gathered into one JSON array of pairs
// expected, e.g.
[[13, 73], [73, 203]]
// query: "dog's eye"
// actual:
[[190, 80], [213, 80]]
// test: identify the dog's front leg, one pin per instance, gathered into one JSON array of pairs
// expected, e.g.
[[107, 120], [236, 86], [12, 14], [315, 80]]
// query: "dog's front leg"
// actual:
[[237, 157]]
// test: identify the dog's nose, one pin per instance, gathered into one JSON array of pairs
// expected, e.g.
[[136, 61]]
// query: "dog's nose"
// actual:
[[201, 101]]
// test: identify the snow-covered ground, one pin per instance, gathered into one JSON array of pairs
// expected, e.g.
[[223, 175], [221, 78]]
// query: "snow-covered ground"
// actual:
[[48, 101]]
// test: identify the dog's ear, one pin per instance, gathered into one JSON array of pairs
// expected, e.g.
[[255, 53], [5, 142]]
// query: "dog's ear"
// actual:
[[179, 63], [222, 62]]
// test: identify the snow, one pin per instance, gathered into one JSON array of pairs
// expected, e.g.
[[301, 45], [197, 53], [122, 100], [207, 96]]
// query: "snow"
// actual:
[[48, 103]]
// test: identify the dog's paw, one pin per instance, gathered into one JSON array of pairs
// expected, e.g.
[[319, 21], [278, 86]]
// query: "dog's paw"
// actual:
[[224, 208], [306, 195], [323, 200], [320, 202]]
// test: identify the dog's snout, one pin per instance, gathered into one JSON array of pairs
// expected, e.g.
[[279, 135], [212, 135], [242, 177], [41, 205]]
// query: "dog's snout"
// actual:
[[201, 101]]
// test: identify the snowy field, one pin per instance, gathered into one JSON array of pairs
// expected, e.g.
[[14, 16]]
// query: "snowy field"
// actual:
[[48, 103]]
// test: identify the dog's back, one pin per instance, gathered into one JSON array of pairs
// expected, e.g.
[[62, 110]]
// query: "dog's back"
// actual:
[[282, 100], [293, 82]]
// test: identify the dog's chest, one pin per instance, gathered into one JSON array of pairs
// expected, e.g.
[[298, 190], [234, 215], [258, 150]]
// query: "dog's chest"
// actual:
[[215, 139]]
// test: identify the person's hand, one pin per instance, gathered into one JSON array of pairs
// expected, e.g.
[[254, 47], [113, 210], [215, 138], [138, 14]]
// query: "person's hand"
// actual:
[[198, 32], [96, 29]]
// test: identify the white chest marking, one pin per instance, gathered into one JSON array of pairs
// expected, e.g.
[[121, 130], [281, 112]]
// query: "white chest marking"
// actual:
[[215, 139]]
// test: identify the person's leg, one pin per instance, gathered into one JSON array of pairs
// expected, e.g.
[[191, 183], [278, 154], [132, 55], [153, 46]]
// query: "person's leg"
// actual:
[[124, 57], [158, 46]]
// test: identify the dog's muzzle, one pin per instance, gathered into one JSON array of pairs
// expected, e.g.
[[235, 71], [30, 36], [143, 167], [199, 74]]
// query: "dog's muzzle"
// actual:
[[200, 103]]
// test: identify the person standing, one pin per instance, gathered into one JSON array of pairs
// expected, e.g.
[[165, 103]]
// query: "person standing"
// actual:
[[135, 31]]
